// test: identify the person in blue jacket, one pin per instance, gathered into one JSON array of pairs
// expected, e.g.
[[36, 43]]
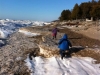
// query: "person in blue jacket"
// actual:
[[64, 45]]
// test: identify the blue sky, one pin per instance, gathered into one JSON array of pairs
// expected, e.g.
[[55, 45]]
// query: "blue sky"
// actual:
[[41, 10]]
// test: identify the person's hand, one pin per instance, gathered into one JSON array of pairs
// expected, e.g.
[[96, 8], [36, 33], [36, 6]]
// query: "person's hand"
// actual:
[[56, 44]]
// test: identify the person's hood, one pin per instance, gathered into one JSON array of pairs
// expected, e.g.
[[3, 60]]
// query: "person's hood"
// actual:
[[65, 36]]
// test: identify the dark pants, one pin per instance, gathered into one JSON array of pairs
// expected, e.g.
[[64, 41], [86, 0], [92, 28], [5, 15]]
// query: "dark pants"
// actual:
[[65, 53], [62, 53]]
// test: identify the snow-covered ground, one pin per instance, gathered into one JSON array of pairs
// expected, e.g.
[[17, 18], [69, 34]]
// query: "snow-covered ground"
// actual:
[[8, 26], [54, 65], [67, 66]]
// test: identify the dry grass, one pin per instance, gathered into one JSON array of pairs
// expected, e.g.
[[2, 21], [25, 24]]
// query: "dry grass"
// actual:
[[79, 39], [89, 53]]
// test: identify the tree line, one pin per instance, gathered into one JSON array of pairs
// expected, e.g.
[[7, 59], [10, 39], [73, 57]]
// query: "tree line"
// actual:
[[82, 11]]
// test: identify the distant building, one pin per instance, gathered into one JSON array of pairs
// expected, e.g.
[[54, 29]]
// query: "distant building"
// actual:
[[90, 19]]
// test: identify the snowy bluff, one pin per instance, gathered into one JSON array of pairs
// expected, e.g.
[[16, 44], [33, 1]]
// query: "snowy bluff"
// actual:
[[47, 46], [37, 43]]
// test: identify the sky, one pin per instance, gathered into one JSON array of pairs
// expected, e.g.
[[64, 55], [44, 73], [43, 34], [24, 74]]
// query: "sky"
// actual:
[[37, 10]]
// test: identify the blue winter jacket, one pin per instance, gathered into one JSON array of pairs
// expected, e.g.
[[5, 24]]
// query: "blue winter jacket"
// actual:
[[64, 43]]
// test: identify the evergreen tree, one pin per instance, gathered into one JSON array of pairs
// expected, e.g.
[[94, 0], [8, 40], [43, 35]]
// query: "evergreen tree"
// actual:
[[75, 12], [96, 11], [65, 15], [82, 11]]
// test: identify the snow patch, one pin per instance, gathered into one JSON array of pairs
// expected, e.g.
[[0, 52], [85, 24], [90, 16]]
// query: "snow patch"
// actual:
[[29, 33], [68, 66]]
